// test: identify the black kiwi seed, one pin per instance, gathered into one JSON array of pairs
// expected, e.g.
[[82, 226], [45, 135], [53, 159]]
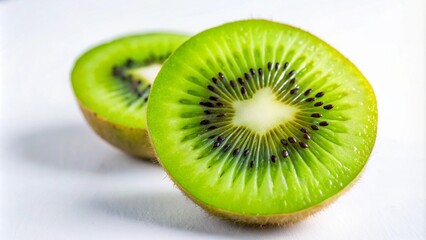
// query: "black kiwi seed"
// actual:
[[260, 71], [328, 107], [243, 90], [273, 158], [292, 72], [284, 142], [320, 94], [292, 139], [314, 127], [211, 88], [204, 122], [216, 144], [284, 153], [316, 115], [240, 81], [226, 147], [232, 84], [317, 104], [211, 128], [221, 76], [306, 136], [220, 138], [304, 130], [146, 99], [134, 86], [251, 164], [221, 115], [214, 80], [311, 99], [303, 145], [269, 66], [277, 65], [219, 104], [324, 123], [307, 92], [117, 72], [129, 62], [246, 76], [207, 112], [292, 81], [253, 73], [213, 98], [285, 65], [236, 151], [294, 91], [246, 152], [207, 104]]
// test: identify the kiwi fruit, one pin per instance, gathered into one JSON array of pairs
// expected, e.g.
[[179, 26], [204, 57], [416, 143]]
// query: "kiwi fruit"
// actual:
[[261, 122], [112, 83]]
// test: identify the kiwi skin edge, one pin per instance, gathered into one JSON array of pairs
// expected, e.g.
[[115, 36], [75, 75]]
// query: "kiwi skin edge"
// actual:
[[273, 220], [263, 220], [134, 141]]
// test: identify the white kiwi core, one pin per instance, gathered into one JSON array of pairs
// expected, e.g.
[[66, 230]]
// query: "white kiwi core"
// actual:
[[262, 112], [149, 72]]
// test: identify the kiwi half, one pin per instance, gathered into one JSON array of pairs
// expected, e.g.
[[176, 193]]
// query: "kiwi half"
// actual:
[[112, 83], [261, 122]]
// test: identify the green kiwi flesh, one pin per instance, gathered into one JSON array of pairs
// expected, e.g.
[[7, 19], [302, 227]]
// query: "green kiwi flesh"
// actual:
[[112, 84], [261, 122]]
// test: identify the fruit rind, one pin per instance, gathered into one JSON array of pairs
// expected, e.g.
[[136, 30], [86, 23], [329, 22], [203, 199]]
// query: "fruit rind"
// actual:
[[267, 220], [134, 141]]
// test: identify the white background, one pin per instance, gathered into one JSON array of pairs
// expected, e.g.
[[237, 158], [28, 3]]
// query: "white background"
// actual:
[[60, 181]]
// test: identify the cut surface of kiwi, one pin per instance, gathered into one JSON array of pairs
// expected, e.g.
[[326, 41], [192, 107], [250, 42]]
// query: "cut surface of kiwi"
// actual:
[[261, 122], [112, 83]]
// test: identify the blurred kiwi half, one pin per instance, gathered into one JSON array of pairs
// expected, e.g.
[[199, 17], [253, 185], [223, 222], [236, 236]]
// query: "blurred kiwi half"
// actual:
[[112, 83]]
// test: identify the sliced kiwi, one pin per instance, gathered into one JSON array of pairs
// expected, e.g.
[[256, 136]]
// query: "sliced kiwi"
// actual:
[[261, 122], [112, 83]]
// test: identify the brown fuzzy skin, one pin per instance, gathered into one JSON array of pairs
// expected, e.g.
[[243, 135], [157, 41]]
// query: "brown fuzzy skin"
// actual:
[[272, 220], [284, 219], [134, 141]]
